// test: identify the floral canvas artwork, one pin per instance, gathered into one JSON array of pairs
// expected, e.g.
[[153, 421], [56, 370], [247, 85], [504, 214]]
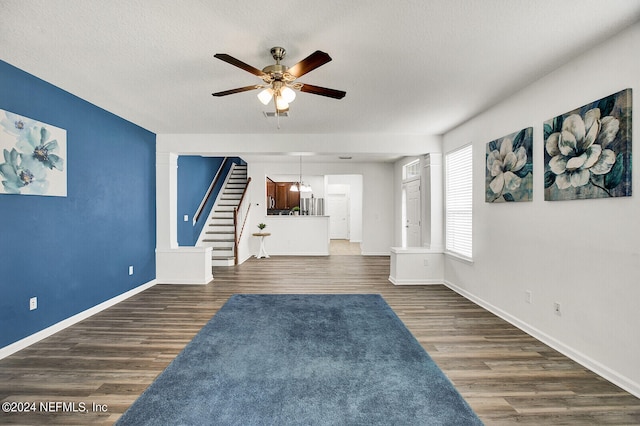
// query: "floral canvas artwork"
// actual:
[[33, 157], [509, 168], [588, 150]]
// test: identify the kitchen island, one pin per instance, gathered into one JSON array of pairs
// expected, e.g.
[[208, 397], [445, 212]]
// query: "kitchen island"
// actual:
[[304, 235]]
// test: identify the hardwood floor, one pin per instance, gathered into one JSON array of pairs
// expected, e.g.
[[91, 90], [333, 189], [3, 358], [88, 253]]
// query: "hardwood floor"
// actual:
[[109, 359], [344, 248]]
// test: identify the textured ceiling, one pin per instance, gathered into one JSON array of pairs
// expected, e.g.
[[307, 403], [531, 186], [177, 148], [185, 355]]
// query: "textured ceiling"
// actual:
[[408, 67]]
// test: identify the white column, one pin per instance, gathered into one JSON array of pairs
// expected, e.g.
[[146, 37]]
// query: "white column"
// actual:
[[433, 202], [166, 200], [175, 265], [437, 202]]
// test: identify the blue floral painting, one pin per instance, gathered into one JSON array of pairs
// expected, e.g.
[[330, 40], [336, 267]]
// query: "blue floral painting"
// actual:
[[33, 156], [587, 151], [509, 168]]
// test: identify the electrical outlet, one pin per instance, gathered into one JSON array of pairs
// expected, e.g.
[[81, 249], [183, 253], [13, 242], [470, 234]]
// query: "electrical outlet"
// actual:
[[528, 296], [186, 218], [426, 262], [556, 308], [33, 303], [130, 269]]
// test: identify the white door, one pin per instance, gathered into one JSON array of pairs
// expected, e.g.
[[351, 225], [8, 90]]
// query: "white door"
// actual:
[[412, 213], [338, 212]]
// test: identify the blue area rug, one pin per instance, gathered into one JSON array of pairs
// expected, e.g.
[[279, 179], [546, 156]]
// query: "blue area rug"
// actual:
[[302, 360]]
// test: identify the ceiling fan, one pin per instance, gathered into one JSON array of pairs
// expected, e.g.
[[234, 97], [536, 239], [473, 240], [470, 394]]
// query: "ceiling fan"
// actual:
[[279, 80]]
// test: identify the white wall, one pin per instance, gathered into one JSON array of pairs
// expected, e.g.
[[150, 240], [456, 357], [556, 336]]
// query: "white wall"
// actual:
[[257, 144], [584, 254]]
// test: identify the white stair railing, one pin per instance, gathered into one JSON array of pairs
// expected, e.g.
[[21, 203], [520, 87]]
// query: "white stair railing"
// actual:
[[240, 215]]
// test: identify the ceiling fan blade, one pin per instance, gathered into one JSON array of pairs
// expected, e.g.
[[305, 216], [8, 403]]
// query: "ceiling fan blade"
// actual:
[[238, 63], [309, 63], [238, 90], [323, 91]]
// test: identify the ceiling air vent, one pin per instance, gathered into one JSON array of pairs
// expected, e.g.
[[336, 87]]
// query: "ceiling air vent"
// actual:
[[270, 114]]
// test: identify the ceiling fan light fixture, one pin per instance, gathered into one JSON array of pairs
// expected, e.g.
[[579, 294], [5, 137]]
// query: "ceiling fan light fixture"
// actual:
[[265, 95], [288, 94], [281, 104], [279, 80]]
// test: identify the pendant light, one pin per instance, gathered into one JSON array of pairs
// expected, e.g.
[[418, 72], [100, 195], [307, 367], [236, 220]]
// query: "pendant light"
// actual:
[[300, 186]]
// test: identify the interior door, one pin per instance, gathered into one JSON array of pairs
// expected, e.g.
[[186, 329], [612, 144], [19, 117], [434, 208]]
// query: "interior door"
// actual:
[[338, 212], [412, 209]]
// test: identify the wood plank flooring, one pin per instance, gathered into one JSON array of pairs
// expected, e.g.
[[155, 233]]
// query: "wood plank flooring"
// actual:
[[109, 359], [344, 248]]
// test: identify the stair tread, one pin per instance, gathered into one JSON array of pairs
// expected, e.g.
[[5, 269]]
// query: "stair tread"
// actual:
[[221, 218]]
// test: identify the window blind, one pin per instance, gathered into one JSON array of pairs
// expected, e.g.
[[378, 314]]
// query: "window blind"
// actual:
[[459, 201]]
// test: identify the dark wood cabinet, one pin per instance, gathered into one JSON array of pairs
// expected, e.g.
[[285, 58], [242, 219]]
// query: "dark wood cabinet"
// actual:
[[293, 197], [271, 194], [281, 195], [285, 198], [280, 198]]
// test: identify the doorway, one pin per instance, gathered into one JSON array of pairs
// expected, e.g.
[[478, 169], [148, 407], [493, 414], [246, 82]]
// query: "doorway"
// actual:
[[343, 205], [338, 212], [412, 229]]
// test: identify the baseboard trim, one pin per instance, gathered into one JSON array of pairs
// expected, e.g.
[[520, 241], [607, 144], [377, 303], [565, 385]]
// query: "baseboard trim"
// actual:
[[577, 356], [53, 329], [179, 281], [396, 281], [311, 253]]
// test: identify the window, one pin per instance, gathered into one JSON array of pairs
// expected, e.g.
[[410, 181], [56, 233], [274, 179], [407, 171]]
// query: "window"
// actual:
[[411, 170], [458, 202]]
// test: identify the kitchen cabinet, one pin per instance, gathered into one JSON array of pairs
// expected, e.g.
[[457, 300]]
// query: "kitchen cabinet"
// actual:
[[271, 194], [285, 198], [293, 198]]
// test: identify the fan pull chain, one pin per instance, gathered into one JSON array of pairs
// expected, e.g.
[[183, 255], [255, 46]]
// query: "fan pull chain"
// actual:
[[277, 112]]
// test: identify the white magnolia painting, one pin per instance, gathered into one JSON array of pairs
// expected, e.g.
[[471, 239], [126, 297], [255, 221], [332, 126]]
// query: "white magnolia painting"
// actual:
[[588, 150], [33, 157]]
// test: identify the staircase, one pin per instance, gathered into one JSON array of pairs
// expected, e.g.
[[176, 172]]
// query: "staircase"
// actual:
[[220, 233]]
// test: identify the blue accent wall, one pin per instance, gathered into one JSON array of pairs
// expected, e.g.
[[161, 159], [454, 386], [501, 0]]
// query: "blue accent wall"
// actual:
[[74, 252], [195, 174]]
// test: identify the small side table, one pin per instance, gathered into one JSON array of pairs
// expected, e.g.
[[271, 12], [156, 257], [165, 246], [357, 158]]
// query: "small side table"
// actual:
[[262, 252]]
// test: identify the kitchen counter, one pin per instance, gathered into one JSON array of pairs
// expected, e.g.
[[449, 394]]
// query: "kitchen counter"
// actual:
[[275, 212], [302, 235]]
